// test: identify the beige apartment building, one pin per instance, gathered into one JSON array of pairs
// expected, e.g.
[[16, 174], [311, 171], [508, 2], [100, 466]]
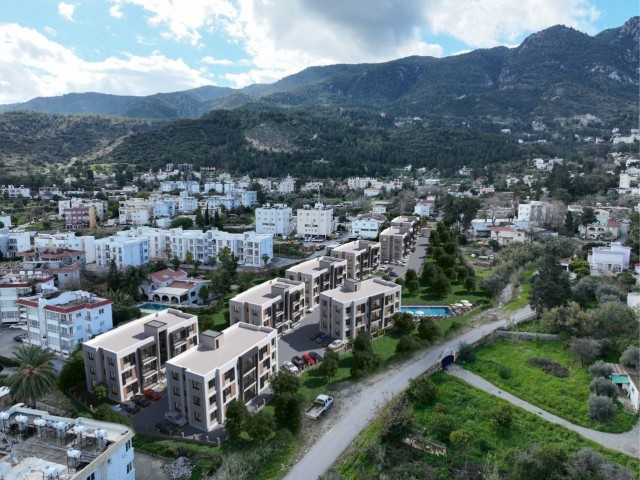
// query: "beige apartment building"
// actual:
[[356, 306], [237, 363], [318, 275], [362, 256], [397, 241], [132, 357], [277, 303]]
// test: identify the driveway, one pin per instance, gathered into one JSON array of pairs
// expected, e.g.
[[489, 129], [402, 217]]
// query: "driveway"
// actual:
[[361, 405], [298, 340], [7, 345], [628, 442], [415, 260]]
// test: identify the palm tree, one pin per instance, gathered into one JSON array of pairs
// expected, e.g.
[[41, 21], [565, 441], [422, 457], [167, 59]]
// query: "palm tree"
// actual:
[[35, 376]]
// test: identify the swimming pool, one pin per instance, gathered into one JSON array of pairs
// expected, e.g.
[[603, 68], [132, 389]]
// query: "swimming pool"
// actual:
[[427, 311], [154, 307]]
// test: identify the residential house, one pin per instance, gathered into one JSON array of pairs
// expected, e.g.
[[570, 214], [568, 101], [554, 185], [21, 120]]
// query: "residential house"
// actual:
[[175, 287], [629, 382], [276, 220], [12, 242], [288, 185], [235, 364], [133, 356], [425, 208], [609, 260]]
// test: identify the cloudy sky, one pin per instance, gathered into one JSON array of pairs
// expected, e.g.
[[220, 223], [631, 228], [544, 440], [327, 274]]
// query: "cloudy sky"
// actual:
[[140, 47]]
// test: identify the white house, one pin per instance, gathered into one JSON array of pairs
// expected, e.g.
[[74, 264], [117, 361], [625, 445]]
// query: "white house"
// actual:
[[287, 185], [365, 227], [67, 241], [316, 221], [424, 208], [276, 220], [13, 241], [532, 210], [609, 260], [174, 287]]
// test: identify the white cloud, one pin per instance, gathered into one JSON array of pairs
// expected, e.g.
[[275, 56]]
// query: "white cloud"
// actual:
[[209, 60], [31, 65], [65, 10]]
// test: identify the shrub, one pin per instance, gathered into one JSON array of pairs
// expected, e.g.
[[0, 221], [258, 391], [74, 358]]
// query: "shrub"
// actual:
[[603, 387], [631, 357], [586, 349], [466, 353], [423, 391], [601, 408], [549, 366], [501, 419], [504, 372], [428, 330], [440, 426], [403, 322], [407, 344], [397, 421], [600, 369]]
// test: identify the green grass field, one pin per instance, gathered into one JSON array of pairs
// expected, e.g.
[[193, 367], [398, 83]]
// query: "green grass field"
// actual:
[[469, 407], [458, 292], [565, 397]]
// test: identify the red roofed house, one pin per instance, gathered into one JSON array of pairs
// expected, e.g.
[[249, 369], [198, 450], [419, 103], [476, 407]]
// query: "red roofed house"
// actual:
[[173, 287], [63, 320], [601, 231]]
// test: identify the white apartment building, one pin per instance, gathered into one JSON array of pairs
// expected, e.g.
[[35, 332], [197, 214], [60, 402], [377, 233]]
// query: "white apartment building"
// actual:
[[99, 206], [135, 211], [187, 204], [229, 202], [13, 241], [424, 208], [48, 447], [533, 210], [67, 241], [609, 260], [359, 183], [366, 228], [15, 192], [277, 303], [287, 185], [15, 286], [379, 208], [275, 220], [316, 221], [190, 186], [318, 275], [356, 306], [362, 256], [124, 248], [252, 249], [63, 320], [235, 364], [133, 356]]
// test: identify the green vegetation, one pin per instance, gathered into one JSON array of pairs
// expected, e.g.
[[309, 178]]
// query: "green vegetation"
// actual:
[[565, 397], [475, 415], [35, 376]]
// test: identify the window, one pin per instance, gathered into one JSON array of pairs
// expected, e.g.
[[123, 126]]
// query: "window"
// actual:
[[91, 356], [114, 389], [92, 370], [196, 400], [111, 362], [112, 375], [212, 399], [213, 416], [176, 390], [175, 376], [212, 383], [195, 385], [197, 416], [92, 476], [127, 446], [177, 406]]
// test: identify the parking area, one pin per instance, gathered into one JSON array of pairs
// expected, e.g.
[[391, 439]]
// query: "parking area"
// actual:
[[300, 339], [7, 344]]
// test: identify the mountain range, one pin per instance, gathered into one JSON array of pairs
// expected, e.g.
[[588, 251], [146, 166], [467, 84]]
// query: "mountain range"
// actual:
[[557, 81]]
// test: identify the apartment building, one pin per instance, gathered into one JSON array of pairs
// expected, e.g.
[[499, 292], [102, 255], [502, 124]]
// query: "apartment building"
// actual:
[[48, 447], [235, 364], [275, 220], [362, 256], [609, 260], [366, 228], [135, 211], [14, 192], [287, 185], [13, 242], [533, 210], [133, 356], [397, 241], [359, 183], [78, 217], [124, 248], [67, 241], [252, 249], [318, 275], [277, 303], [63, 320], [191, 186], [314, 221], [99, 206], [366, 305], [15, 286]]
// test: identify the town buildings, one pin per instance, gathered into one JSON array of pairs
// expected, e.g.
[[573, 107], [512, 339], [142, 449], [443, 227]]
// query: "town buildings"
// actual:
[[66, 241], [124, 248], [397, 241], [362, 256], [235, 364], [318, 275], [18, 285], [276, 220], [176, 288], [277, 303], [132, 357], [356, 306], [13, 242], [366, 228], [609, 260], [424, 208], [63, 320], [315, 221], [50, 447]]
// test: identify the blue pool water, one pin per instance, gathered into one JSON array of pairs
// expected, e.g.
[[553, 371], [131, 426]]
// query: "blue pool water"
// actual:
[[423, 310], [156, 307]]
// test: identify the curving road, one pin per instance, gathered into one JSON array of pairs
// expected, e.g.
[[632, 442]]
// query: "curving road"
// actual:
[[363, 406], [627, 442]]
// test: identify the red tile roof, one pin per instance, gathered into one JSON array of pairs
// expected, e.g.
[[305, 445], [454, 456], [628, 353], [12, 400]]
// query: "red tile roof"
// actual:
[[166, 274]]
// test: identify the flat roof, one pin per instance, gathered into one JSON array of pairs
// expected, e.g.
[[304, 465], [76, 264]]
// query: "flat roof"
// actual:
[[366, 289], [356, 246], [132, 333], [263, 293], [314, 265], [236, 341]]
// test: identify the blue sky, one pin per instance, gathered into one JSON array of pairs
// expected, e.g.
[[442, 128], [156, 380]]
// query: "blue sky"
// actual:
[[140, 47]]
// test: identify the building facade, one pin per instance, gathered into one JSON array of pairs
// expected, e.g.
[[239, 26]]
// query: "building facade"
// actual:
[[318, 275], [133, 356], [235, 364], [276, 220], [609, 260], [314, 222], [124, 249], [362, 256], [397, 241]]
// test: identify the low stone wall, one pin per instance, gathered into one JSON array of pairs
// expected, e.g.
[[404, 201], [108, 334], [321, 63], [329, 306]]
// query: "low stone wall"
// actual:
[[526, 335]]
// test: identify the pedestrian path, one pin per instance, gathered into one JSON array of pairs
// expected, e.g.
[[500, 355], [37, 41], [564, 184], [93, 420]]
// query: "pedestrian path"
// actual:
[[627, 442]]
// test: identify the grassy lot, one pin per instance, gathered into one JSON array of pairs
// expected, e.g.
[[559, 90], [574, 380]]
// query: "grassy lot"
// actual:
[[468, 407], [523, 291], [458, 292], [565, 397]]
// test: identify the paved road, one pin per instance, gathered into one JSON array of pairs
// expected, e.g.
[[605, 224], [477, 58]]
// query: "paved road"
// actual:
[[628, 442], [363, 406]]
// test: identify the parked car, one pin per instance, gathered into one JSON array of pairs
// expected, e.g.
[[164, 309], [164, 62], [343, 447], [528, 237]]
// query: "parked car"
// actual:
[[18, 338], [290, 367], [316, 356], [336, 345], [176, 418], [140, 401], [166, 428], [130, 407], [308, 359], [322, 338], [297, 361], [393, 274], [151, 394], [17, 326]]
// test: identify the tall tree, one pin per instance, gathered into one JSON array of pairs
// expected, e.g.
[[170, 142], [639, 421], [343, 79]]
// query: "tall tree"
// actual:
[[35, 376], [550, 286], [237, 417]]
